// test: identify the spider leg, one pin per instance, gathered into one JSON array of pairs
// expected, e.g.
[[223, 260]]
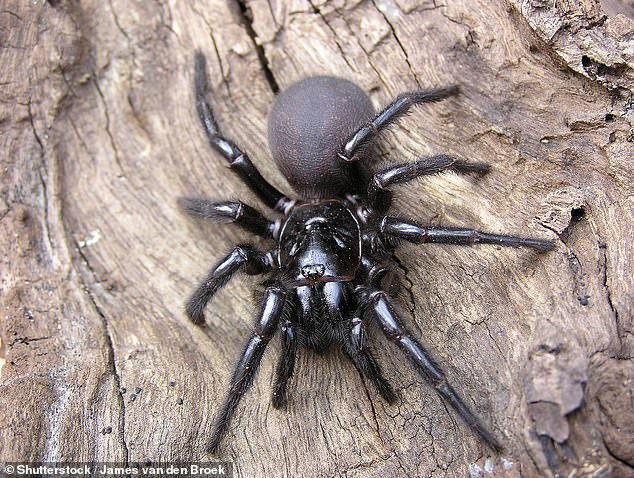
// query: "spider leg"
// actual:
[[412, 232], [392, 112], [229, 211], [396, 332], [356, 348], [286, 364], [379, 194], [245, 257], [238, 160], [272, 308]]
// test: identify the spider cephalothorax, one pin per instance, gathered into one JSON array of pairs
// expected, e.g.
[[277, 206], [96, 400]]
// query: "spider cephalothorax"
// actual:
[[333, 247]]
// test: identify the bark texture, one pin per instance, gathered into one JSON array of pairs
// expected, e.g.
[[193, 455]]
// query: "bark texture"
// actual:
[[99, 137]]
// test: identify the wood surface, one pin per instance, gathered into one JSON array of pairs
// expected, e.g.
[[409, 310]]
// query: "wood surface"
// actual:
[[99, 137]]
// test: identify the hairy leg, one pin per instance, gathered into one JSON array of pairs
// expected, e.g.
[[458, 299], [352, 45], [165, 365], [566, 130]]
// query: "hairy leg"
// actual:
[[392, 112], [269, 317], [245, 257], [395, 331], [286, 364], [238, 160], [229, 211], [379, 193], [412, 232], [356, 348]]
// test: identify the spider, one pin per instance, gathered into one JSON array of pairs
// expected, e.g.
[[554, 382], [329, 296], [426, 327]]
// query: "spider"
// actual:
[[331, 269]]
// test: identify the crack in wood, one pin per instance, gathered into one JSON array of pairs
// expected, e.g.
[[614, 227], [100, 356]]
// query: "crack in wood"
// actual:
[[112, 356], [113, 145], [603, 267], [247, 20], [399, 43], [335, 37]]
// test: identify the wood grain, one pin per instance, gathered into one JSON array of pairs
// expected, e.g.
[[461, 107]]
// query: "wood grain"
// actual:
[[99, 138]]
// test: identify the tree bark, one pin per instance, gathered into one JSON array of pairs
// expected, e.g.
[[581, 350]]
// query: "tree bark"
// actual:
[[100, 137]]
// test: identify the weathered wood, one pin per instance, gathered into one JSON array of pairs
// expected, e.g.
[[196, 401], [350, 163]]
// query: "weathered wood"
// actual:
[[100, 138]]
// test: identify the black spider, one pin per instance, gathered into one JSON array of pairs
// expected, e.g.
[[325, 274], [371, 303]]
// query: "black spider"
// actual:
[[330, 271]]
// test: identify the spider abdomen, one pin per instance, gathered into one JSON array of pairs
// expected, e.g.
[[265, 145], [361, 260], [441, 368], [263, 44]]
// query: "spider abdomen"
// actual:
[[308, 125]]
